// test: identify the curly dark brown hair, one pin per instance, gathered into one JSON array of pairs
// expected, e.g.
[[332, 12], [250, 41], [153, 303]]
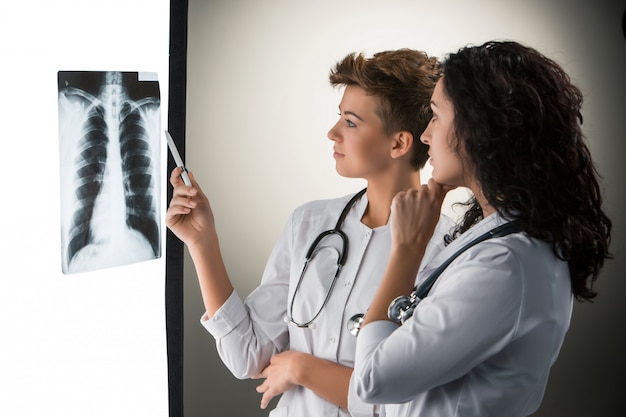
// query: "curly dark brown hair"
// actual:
[[402, 82], [518, 122]]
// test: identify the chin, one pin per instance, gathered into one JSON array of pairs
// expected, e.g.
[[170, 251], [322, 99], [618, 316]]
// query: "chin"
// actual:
[[345, 173]]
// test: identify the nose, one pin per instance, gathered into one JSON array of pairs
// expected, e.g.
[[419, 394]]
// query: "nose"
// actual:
[[425, 136], [332, 133]]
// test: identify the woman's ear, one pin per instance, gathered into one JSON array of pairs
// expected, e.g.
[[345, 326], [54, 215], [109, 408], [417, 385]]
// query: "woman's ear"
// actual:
[[402, 143]]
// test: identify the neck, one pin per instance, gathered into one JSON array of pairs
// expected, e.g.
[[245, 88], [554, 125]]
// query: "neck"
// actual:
[[486, 207], [381, 192]]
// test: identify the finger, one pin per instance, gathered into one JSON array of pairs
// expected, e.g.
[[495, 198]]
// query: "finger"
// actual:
[[262, 388], [178, 184], [404, 199], [434, 185], [399, 198], [444, 187], [402, 194], [181, 191], [181, 200], [195, 188], [175, 178], [176, 210], [265, 400], [436, 192]]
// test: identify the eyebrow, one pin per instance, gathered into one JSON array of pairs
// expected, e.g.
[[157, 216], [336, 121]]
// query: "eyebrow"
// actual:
[[351, 114], [434, 108]]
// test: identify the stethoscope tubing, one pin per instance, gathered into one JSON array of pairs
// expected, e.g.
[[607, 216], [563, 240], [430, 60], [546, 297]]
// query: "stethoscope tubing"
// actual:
[[340, 261], [402, 307], [502, 230]]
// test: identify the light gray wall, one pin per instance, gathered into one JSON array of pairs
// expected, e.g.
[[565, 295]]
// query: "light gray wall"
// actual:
[[259, 107]]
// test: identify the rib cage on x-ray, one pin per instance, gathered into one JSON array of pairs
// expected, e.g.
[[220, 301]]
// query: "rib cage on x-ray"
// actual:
[[114, 182], [138, 181]]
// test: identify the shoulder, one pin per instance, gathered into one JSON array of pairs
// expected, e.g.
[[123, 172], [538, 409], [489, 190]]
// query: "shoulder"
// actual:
[[330, 207], [509, 250], [515, 260], [490, 272], [479, 254], [518, 246]]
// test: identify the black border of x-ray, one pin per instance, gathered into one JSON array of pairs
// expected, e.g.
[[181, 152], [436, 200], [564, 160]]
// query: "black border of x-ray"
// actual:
[[177, 97]]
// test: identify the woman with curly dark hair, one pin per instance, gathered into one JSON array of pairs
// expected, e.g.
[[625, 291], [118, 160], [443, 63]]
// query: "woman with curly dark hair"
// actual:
[[489, 313]]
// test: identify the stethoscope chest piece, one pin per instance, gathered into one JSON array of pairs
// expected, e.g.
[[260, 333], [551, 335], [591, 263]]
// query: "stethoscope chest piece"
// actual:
[[401, 309], [354, 324]]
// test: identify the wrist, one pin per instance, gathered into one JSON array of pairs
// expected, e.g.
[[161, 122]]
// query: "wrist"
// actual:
[[414, 246], [407, 256], [299, 368], [205, 243]]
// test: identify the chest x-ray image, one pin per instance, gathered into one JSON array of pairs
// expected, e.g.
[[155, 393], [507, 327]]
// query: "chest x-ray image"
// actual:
[[109, 138]]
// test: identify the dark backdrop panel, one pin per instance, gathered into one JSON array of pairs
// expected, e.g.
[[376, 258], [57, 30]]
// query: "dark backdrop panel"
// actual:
[[174, 247]]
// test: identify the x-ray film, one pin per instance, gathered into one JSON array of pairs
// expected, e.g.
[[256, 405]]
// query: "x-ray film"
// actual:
[[109, 139]]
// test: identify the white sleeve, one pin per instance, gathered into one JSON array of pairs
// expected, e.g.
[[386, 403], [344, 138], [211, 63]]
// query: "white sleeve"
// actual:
[[248, 333], [362, 385], [471, 313]]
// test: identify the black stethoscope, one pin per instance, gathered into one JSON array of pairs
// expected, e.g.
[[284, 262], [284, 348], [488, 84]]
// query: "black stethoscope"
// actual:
[[401, 309], [341, 260]]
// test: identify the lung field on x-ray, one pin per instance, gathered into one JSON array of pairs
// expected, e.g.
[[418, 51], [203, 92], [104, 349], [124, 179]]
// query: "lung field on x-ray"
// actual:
[[109, 131]]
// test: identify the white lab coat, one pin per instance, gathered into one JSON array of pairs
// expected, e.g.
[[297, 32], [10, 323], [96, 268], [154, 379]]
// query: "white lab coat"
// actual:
[[248, 334], [481, 343]]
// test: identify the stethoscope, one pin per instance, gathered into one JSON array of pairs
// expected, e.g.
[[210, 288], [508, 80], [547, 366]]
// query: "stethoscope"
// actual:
[[401, 309], [341, 260]]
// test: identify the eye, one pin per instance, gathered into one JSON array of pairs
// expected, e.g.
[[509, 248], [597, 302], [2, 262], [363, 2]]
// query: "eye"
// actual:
[[349, 123]]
